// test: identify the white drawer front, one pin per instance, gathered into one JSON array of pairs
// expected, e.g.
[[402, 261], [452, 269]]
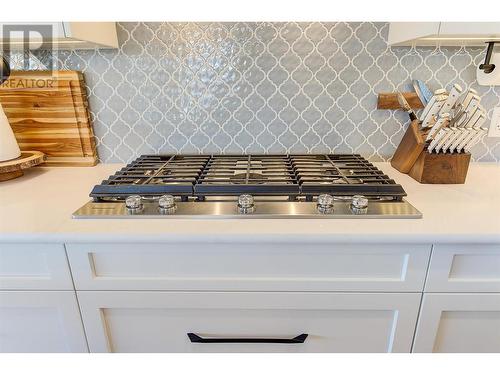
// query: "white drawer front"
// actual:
[[160, 321], [40, 322], [464, 268], [459, 323], [248, 267], [34, 266]]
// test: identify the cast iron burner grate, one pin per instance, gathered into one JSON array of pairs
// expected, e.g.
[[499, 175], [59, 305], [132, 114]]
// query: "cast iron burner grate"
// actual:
[[260, 175]]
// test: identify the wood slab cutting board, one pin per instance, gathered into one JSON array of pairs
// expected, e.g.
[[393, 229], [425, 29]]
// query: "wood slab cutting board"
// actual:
[[49, 112]]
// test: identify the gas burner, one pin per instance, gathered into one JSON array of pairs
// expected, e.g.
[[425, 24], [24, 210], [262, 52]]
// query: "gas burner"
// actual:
[[243, 178], [261, 175]]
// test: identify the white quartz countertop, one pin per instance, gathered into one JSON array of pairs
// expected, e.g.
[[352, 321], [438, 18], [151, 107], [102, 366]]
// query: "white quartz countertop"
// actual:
[[38, 207]]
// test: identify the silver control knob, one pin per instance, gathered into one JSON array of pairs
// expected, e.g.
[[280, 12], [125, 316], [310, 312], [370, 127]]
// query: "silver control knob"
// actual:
[[359, 201], [359, 204], [325, 203], [134, 203], [166, 204], [246, 204]]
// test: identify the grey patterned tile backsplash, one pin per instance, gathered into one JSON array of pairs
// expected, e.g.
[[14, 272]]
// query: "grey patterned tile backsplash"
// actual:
[[261, 88]]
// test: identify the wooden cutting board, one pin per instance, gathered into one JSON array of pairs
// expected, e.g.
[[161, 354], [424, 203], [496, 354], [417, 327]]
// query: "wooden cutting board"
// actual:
[[49, 112]]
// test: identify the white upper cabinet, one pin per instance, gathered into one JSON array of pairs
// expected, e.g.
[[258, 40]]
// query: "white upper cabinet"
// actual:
[[59, 35], [406, 33], [443, 33]]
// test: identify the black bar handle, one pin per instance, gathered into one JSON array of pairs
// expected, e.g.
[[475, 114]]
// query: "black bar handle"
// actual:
[[295, 340]]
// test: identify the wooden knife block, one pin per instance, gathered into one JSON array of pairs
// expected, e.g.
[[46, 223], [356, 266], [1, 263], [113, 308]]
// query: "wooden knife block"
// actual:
[[411, 157]]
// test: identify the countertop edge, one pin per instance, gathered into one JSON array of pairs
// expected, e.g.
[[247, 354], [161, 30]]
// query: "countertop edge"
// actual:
[[249, 238]]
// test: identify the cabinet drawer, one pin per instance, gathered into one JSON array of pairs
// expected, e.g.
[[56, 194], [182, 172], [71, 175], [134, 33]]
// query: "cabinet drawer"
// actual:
[[34, 266], [464, 268], [249, 267], [459, 323], [34, 321], [333, 322]]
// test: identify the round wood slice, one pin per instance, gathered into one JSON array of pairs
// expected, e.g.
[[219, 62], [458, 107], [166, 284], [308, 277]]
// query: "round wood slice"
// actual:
[[14, 168]]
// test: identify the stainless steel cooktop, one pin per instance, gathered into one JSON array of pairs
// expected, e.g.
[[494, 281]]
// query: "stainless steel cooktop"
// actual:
[[248, 186]]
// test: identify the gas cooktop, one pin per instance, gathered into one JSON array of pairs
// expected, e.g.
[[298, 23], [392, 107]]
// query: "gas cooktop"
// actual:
[[248, 186]]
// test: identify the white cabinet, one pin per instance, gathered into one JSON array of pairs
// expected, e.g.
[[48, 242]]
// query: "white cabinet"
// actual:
[[34, 266], [469, 30], [334, 322], [61, 35], [249, 267], [464, 268], [40, 322], [442, 33], [147, 297], [452, 323], [407, 33]]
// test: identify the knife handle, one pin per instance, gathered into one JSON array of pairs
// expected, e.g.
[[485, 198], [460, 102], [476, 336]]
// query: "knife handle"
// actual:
[[452, 99]]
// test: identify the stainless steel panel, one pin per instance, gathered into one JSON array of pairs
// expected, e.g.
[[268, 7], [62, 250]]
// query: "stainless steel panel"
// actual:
[[263, 210]]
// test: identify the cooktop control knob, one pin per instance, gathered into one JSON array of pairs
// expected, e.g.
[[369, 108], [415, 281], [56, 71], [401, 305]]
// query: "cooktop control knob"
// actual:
[[246, 204], [166, 204], [134, 204], [325, 203], [359, 204]]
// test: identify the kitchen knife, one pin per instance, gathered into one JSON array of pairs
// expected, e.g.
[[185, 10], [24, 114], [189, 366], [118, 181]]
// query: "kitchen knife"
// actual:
[[437, 102], [404, 104], [464, 113], [472, 133], [481, 120], [431, 102], [464, 101], [442, 122], [474, 101], [453, 96], [423, 92], [479, 135], [458, 118], [472, 119], [456, 132], [436, 140], [465, 133], [448, 133]]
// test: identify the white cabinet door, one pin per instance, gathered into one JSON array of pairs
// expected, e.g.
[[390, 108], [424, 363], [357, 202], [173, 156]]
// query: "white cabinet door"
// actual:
[[334, 322], [37, 30], [442, 33], [34, 266], [249, 267], [459, 323], [478, 29], [464, 268], [40, 322], [59, 35], [403, 33]]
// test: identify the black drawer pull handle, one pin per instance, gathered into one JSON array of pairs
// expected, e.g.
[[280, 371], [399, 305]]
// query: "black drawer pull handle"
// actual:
[[296, 340]]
